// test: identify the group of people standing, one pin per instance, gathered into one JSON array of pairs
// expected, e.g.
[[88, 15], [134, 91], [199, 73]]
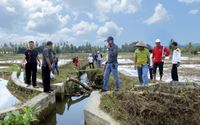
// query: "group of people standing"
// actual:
[[149, 60], [145, 61], [49, 62], [98, 58]]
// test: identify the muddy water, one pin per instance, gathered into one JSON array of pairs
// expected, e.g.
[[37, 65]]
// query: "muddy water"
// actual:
[[68, 112], [7, 99]]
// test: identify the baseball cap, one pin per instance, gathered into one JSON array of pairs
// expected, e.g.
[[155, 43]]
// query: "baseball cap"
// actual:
[[109, 38]]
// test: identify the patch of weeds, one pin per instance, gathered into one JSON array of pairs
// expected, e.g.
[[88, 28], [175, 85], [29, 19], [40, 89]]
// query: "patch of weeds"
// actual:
[[23, 117]]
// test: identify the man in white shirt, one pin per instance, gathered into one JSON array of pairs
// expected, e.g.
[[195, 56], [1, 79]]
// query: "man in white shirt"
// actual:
[[91, 61], [176, 60], [151, 65], [99, 59]]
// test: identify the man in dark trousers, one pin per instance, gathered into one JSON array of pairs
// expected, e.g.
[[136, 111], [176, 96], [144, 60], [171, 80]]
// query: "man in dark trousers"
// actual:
[[32, 59], [159, 54], [47, 61], [176, 61]]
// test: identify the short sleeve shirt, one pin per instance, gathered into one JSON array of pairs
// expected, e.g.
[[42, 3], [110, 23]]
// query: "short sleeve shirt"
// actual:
[[142, 56], [46, 53], [31, 56]]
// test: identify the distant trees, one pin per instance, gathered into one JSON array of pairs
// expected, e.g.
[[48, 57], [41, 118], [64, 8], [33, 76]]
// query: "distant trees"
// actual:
[[62, 47], [191, 49], [65, 47]]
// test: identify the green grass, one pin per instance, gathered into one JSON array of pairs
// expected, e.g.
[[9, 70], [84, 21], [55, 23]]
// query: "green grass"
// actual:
[[67, 70], [21, 95], [127, 83], [12, 68]]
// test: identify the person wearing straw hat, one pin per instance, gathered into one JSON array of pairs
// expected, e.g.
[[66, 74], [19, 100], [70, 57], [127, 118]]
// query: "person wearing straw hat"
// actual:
[[159, 54], [141, 62]]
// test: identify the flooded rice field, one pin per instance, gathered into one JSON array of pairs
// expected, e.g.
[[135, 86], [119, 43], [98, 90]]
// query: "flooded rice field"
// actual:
[[187, 72]]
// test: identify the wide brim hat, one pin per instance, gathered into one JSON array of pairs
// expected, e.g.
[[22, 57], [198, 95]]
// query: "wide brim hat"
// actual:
[[141, 44]]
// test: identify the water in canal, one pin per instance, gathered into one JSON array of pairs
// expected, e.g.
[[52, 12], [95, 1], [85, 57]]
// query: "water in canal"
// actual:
[[68, 112], [7, 99]]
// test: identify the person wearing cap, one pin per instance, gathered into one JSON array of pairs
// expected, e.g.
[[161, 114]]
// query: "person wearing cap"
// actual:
[[159, 54], [176, 60], [32, 60], [99, 58], [91, 61], [111, 65], [47, 61], [141, 62]]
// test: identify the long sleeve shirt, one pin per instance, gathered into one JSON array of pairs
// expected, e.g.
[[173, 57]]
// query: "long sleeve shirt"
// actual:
[[112, 54], [176, 57]]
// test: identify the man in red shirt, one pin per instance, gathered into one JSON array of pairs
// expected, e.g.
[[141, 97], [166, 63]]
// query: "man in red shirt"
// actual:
[[159, 54]]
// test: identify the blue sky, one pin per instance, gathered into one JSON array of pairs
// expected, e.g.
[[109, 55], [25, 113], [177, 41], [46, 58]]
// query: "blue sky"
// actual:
[[81, 21]]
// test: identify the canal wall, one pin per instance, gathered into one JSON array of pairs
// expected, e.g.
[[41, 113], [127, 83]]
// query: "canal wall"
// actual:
[[44, 103], [93, 115]]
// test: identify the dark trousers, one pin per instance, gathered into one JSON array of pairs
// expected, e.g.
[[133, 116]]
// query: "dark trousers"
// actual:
[[158, 65], [91, 65], [31, 73], [151, 73], [46, 78], [174, 72]]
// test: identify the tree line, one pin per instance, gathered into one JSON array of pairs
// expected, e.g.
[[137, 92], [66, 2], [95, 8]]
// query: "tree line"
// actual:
[[65, 47]]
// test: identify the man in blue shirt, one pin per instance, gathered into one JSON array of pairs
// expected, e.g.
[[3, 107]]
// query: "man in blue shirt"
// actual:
[[111, 65], [32, 59]]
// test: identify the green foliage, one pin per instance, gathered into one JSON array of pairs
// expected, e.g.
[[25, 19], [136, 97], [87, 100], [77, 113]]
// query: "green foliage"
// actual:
[[23, 117], [12, 68]]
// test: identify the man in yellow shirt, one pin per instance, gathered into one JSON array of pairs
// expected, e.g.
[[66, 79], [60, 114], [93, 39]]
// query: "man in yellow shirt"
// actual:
[[141, 62]]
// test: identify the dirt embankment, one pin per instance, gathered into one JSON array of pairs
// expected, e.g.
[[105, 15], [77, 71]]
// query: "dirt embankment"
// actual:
[[160, 106]]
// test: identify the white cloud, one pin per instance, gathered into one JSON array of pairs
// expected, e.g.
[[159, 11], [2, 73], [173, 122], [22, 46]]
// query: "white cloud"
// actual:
[[48, 20], [83, 28], [109, 29], [11, 13], [188, 1], [160, 14], [194, 12], [124, 6], [59, 36]]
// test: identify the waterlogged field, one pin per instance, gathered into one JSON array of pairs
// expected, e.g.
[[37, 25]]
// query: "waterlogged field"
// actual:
[[189, 71]]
